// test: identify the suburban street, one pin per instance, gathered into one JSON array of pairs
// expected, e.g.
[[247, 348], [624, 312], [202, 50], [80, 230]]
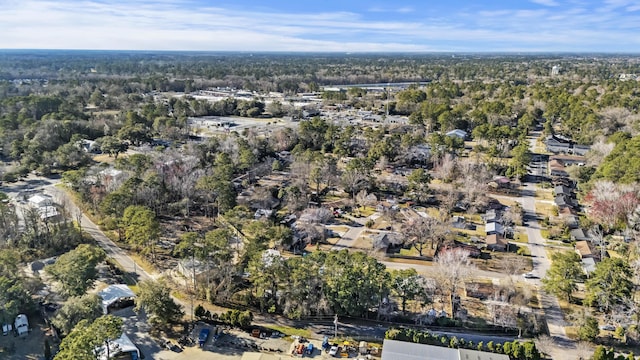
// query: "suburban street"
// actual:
[[112, 250]]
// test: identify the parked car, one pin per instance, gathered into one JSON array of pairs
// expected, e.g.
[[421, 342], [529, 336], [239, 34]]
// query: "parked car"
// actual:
[[530, 275], [203, 336], [608, 327], [334, 351]]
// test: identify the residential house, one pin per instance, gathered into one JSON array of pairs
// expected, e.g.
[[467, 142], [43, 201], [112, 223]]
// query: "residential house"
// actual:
[[492, 215], [401, 350], [579, 235], [563, 190], [570, 219], [586, 250], [581, 149], [557, 169], [386, 242], [563, 201], [565, 181], [497, 242], [500, 182], [458, 133], [555, 144], [569, 160], [493, 228]]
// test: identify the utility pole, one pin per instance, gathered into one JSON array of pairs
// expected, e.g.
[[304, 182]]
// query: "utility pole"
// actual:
[[335, 327], [193, 268]]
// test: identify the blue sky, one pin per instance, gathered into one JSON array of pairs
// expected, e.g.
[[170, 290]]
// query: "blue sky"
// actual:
[[323, 25]]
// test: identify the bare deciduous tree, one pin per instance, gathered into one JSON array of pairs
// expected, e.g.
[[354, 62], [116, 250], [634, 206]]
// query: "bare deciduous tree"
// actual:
[[452, 268], [545, 344], [445, 169], [599, 150], [584, 350], [423, 231]]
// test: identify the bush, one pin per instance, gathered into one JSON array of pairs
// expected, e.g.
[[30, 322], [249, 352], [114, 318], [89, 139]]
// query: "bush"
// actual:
[[201, 313], [10, 177], [237, 318]]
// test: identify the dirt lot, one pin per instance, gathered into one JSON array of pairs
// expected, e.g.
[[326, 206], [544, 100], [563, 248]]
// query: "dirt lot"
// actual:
[[29, 346], [231, 345]]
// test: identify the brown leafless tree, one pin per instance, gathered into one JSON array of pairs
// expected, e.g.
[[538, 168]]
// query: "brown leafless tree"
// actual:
[[453, 267]]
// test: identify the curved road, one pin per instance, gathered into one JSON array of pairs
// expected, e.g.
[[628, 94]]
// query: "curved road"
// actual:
[[103, 241]]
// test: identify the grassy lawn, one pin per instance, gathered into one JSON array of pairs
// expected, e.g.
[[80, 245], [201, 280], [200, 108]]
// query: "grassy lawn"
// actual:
[[411, 252], [362, 243], [104, 158], [410, 261], [365, 211], [544, 233], [341, 229], [142, 262], [544, 194], [521, 238], [545, 209], [479, 232]]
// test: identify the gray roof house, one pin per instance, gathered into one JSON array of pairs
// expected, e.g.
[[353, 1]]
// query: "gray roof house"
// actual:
[[562, 190], [400, 350], [492, 228], [556, 145], [579, 234], [581, 149], [563, 201], [458, 133]]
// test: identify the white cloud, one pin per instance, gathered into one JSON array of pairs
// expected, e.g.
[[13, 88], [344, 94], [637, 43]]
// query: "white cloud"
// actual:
[[546, 2], [172, 25]]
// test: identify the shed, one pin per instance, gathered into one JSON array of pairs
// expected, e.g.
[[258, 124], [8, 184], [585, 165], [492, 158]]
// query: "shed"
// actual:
[[113, 293]]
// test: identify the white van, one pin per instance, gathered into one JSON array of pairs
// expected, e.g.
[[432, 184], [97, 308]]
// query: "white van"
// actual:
[[21, 324]]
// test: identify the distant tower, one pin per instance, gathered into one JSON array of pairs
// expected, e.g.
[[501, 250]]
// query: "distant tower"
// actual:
[[555, 70]]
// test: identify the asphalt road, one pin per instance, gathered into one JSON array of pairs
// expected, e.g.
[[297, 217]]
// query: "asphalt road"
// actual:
[[112, 250]]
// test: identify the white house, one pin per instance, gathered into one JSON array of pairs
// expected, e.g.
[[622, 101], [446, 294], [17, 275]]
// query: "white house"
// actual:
[[458, 133]]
